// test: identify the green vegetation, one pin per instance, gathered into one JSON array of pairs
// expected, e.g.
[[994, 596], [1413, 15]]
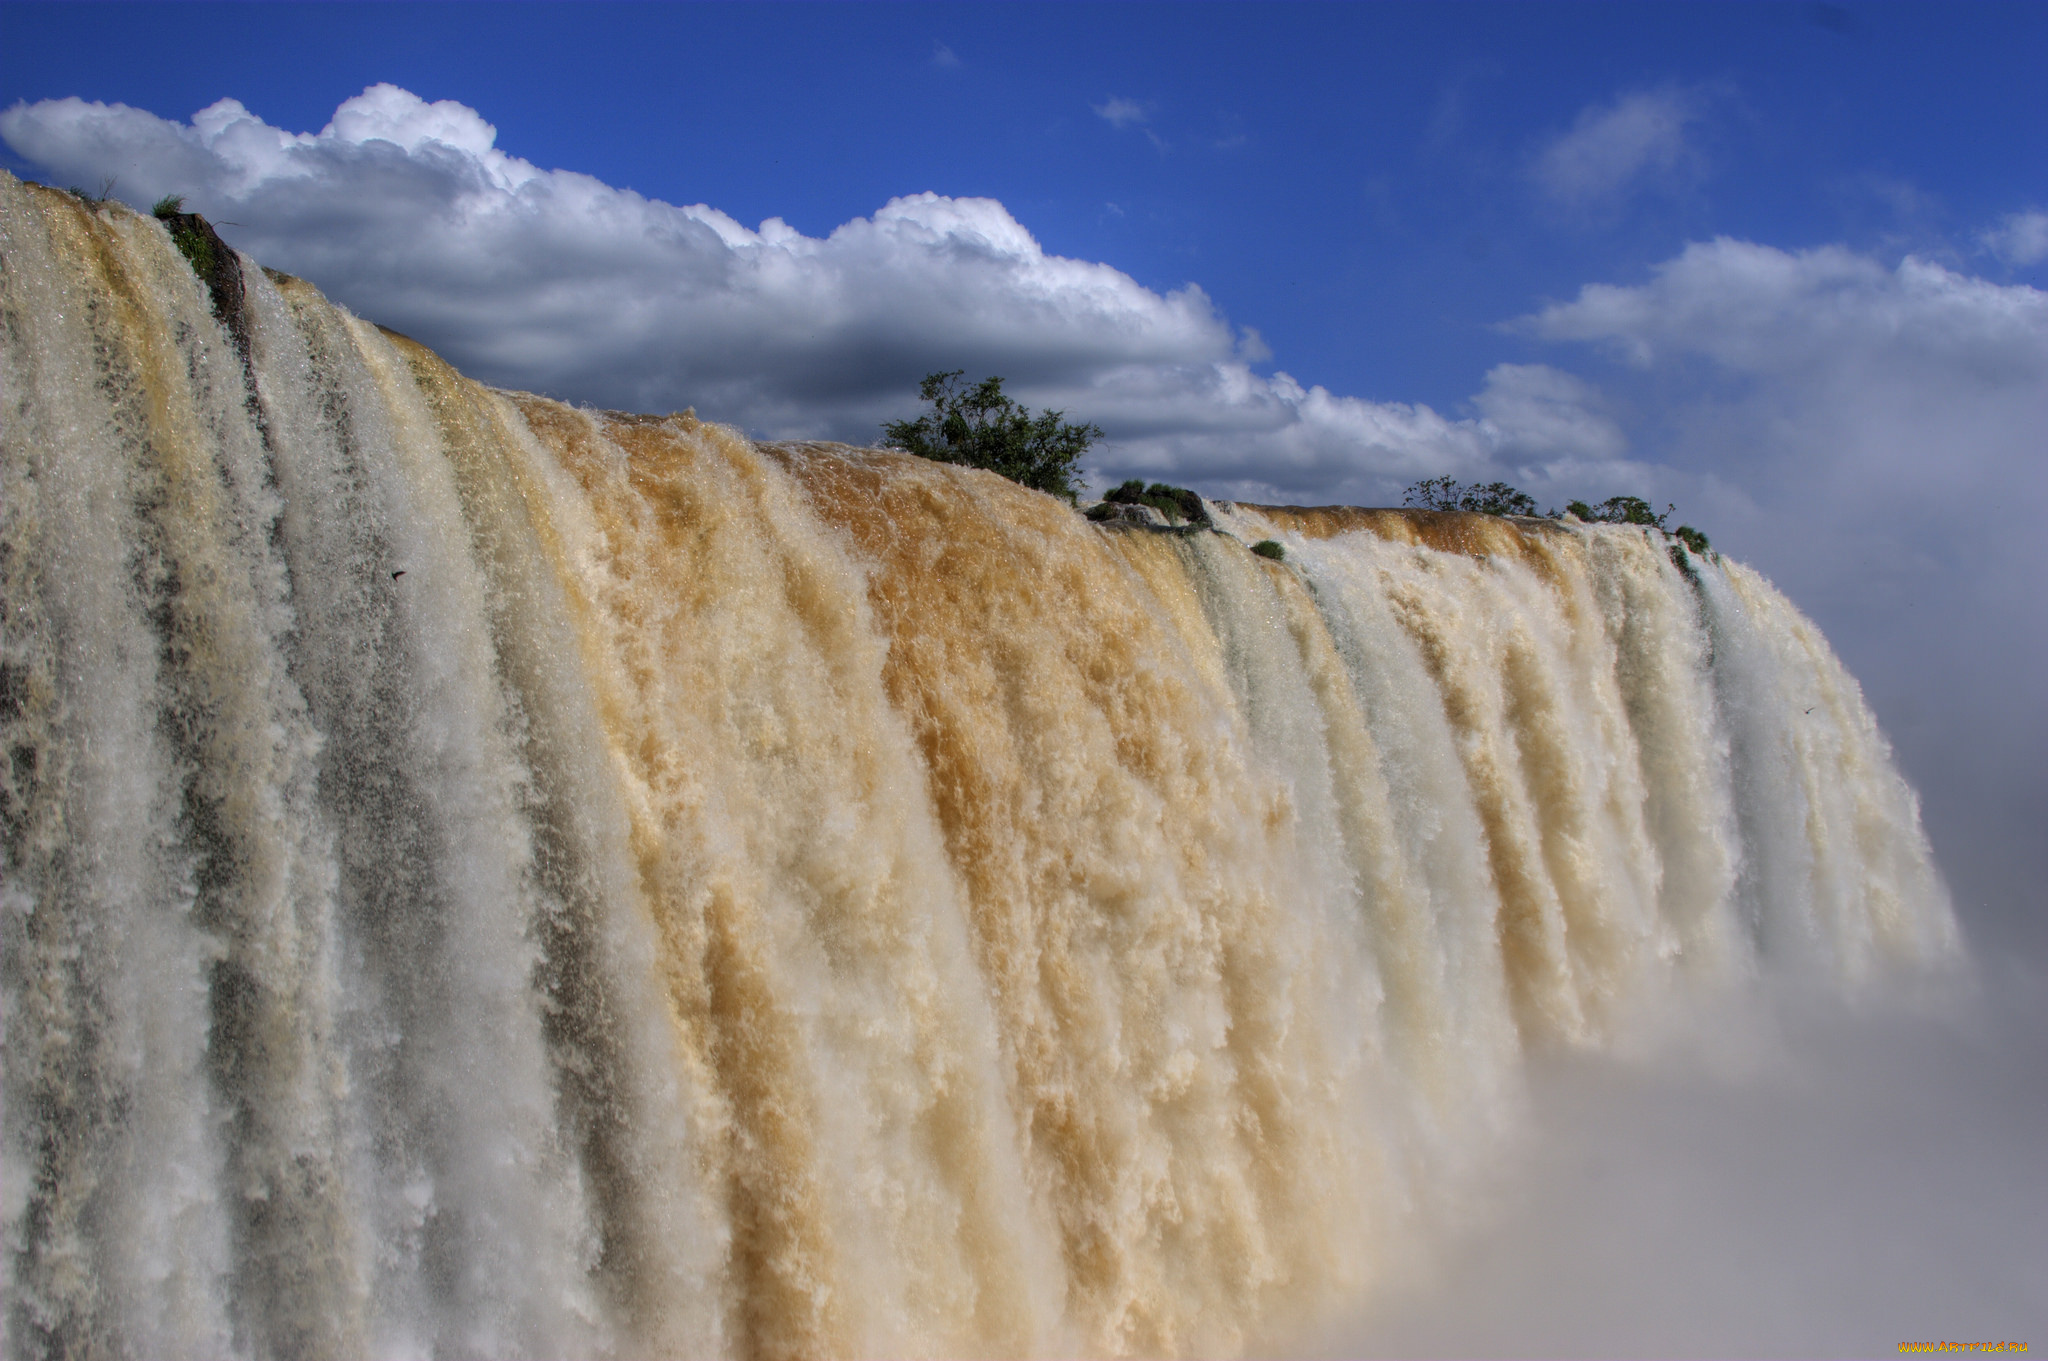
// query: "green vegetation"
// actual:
[[1620, 510], [1447, 493], [92, 200], [1498, 498], [1270, 548], [981, 428], [1633, 510], [1177, 504], [190, 234]]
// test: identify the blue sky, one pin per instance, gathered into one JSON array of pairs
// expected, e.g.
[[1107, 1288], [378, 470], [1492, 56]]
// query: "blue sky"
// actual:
[[1782, 264]]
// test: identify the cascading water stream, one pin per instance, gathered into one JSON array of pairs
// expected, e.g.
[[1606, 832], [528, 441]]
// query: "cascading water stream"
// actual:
[[489, 878]]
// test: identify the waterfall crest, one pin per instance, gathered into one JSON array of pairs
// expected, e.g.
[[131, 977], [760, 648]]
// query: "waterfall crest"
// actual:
[[485, 877]]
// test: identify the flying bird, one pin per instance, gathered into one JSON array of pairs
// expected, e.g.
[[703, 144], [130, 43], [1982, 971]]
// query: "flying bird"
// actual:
[[401, 572]]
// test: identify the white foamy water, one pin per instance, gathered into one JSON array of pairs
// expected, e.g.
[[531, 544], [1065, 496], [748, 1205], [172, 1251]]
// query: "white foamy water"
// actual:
[[489, 878]]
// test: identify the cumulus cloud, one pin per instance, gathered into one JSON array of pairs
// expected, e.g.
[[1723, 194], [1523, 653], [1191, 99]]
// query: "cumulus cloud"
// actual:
[[409, 213], [1544, 413], [1914, 382], [2020, 238], [1611, 147], [1763, 311], [1908, 394]]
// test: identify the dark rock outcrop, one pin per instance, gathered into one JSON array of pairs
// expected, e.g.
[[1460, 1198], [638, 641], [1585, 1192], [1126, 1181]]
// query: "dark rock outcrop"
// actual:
[[214, 261]]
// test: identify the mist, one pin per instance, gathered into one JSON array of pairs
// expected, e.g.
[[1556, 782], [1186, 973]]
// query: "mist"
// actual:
[[1779, 1175]]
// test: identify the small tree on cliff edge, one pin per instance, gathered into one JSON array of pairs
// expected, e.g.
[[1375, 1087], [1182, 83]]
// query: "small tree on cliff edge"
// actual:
[[1447, 493], [981, 428]]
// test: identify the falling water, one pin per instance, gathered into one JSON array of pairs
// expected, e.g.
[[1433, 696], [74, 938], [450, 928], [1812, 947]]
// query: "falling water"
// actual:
[[484, 877]]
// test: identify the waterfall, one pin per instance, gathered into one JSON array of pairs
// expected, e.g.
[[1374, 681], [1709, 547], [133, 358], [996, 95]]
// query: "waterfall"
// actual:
[[487, 877]]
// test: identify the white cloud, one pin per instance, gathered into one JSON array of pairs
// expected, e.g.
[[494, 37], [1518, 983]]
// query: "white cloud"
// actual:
[[1759, 310], [1122, 113], [2020, 238], [543, 279], [944, 57], [1610, 147], [1907, 400], [1544, 413], [409, 213]]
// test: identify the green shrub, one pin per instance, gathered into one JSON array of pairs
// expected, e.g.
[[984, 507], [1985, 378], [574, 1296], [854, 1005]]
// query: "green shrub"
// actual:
[[1270, 548], [981, 428], [170, 205], [195, 245], [1447, 493], [1633, 510], [1620, 510]]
